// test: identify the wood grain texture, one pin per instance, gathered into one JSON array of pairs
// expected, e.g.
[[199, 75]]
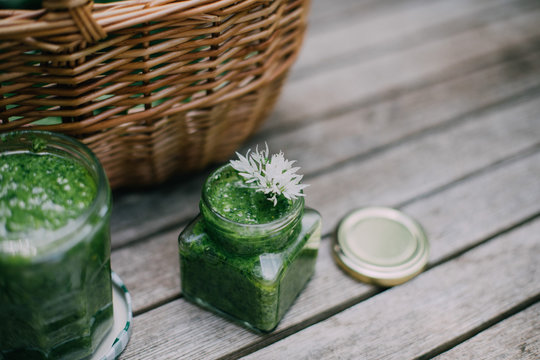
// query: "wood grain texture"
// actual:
[[480, 207], [517, 337], [436, 307], [391, 120], [140, 213], [346, 86], [330, 289], [422, 165], [374, 32], [325, 13], [150, 269]]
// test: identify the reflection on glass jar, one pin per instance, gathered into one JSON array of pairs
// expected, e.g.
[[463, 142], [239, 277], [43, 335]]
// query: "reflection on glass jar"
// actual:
[[252, 268], [55, 276]]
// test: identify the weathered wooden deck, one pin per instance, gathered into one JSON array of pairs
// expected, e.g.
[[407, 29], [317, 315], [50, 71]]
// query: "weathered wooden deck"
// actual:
[[430, 106]]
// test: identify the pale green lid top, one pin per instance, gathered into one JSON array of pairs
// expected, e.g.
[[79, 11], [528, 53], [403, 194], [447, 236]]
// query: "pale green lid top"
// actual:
[[380, 245]]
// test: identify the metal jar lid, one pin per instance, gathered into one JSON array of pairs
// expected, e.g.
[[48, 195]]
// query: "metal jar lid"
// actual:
[[381, 246]]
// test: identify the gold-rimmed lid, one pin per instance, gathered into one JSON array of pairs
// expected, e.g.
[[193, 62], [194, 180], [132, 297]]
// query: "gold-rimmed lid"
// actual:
[[380, 245]]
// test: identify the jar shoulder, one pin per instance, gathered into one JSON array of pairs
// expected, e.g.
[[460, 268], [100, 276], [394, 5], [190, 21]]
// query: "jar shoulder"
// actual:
[[266, 268]]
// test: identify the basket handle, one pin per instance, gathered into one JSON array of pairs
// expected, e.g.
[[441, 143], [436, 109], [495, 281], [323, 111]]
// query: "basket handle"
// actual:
[[81, 13]]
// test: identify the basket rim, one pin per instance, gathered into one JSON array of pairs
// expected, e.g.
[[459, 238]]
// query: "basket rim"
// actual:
[[18, 24]]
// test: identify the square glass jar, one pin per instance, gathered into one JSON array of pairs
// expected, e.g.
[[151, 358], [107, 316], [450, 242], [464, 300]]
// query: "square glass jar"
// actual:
[[250, 273]]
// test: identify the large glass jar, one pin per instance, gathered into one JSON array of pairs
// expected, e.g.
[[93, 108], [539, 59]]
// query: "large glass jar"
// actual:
[[55, 276], [249, 272]]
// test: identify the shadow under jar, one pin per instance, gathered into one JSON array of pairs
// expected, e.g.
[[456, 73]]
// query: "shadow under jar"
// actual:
[[245, 258], [55, 276]]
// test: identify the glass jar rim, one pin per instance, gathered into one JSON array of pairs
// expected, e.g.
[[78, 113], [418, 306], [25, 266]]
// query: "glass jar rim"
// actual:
[[297, 206], [59, 238]]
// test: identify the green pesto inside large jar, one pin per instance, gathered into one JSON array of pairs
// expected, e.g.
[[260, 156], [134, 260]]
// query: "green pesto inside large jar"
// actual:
[[55, 276], [41, 191]]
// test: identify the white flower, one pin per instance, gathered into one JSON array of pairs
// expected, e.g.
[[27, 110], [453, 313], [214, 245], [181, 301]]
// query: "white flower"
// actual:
[[273, 176]]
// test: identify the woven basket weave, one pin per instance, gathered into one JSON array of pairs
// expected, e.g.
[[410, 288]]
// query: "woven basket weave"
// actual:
[[152, 87]]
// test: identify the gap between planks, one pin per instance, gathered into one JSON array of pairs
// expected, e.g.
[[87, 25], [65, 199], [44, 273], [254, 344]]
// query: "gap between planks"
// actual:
[[517, 337], [523, 306], [428, 131], [339, 90], [358, 41], [437, 307]]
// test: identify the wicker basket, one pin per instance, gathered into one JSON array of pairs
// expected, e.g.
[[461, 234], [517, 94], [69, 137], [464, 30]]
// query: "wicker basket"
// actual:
[[153, 87]]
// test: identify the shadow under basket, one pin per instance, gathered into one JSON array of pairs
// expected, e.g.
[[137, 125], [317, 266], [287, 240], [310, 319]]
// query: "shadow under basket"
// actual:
[[154, 88]]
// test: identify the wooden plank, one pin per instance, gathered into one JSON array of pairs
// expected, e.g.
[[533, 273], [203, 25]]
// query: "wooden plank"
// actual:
[[392, 120], [437, 307], [323, 14], [357, 132], [171, 328], [348, 86], [150, 268], [368, 34], [517, 337], [136, 214], [431, 161], [479, 208]]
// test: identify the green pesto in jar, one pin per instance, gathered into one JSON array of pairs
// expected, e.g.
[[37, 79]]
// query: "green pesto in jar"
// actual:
[[55, 278], [41, 191], [235, 200], [255, 290], [243, 257]]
